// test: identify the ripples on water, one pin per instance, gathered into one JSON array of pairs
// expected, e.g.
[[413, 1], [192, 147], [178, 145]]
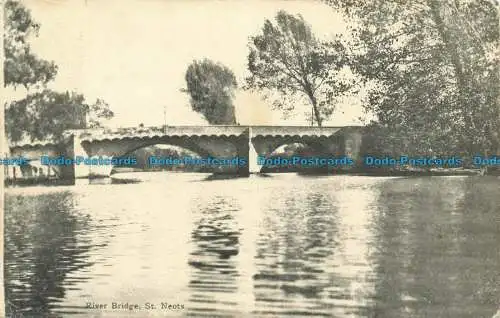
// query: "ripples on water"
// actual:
[[339, 246]]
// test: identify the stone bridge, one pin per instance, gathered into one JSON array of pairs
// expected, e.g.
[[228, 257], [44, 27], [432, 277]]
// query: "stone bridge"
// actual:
[[207, 141]]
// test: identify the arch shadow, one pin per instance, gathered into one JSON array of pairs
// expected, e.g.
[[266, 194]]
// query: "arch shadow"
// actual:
[[309, 147], [176, 150]]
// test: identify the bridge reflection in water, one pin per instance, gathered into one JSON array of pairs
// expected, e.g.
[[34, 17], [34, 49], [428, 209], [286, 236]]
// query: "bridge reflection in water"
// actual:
[[286, 246], [214, 270]]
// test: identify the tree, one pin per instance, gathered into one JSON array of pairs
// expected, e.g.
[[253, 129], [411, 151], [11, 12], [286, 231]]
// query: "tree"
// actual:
[[21, 66], [288, 59], [43, 113], [47, 114], [211, 88], [434, 69]]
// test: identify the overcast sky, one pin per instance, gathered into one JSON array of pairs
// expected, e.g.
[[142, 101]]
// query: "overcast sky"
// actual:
[[134, 53]]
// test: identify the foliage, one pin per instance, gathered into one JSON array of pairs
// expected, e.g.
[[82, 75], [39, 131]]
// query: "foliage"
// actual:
[[47, 114], [288, 59], [23, 67], [434, 68], [211, 88], [43, 113]]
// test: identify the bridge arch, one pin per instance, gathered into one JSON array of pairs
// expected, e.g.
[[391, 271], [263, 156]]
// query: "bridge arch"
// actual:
[[190, 146], [213, 146], [266, 145], [160, 150]]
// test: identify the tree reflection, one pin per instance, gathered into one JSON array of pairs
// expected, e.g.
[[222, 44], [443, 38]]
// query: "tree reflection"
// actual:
[[41, 249], [389, 251], [435, 249], [478, 241]]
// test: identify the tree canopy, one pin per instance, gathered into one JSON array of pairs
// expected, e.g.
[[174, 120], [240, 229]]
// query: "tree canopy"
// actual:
[[211, 87], [53, 113], [286, 58], [43, 113], [21, 65], [434, 69]]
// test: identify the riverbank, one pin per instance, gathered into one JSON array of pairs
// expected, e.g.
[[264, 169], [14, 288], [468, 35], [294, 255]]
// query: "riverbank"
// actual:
[[397, 172], [119, 177]]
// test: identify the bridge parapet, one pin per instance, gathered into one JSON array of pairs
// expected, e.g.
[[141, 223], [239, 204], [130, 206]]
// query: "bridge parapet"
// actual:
[[215, 130], [154, 132], [302, 131], [27, 143]]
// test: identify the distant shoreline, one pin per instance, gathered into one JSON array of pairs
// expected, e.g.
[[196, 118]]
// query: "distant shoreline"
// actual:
[[226, 176]]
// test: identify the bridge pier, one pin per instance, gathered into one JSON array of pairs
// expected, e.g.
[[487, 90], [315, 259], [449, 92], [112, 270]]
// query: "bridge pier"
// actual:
[[74, 149], [253, 166], [242, 153], [80, 171]]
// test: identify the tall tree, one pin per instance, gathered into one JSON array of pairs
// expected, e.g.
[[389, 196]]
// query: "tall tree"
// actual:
[[21, 65], [287, 58], [43, 113], [211, 88], [434, 66]]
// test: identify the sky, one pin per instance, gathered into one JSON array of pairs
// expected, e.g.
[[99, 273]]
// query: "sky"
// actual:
[[134, 53]]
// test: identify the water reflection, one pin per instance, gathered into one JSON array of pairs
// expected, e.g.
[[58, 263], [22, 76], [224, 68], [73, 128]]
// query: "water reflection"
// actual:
[[41, 250], [433, 257], [214, 271], [297, 239], [264, 247]]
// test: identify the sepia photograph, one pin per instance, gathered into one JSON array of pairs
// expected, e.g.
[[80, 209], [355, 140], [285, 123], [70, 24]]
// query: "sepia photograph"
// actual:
[[250, 158]]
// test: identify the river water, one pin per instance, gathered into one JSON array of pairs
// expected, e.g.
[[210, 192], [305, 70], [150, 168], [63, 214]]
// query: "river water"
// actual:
[[279, 246]]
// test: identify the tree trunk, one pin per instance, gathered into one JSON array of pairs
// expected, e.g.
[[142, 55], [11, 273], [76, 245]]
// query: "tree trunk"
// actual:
[[314, 104], [229, 116], [452, 51], [316, 113], [4, 152]]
